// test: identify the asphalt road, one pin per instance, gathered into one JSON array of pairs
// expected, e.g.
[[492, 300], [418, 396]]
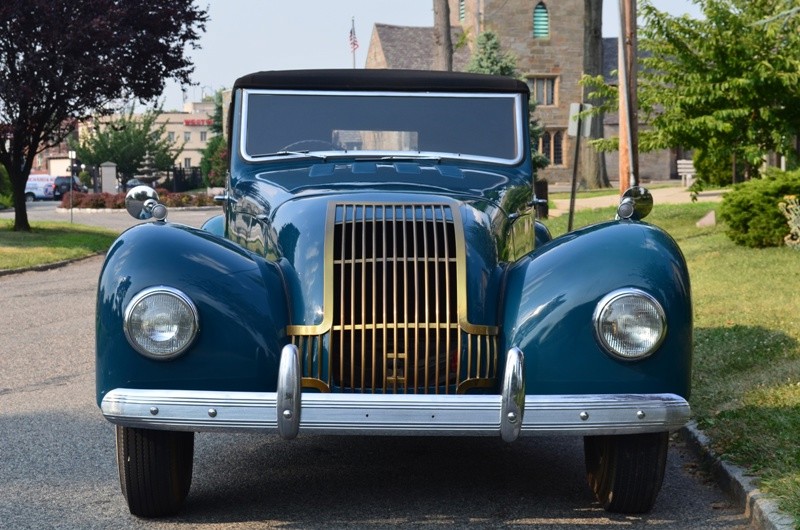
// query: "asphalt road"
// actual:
[[118, 220], [57, 467]]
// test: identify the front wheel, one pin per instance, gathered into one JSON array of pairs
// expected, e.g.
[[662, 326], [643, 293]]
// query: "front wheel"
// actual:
[[155, 469], [626, 471]]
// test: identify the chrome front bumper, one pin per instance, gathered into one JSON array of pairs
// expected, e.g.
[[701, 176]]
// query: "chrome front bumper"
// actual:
[[288, 412]]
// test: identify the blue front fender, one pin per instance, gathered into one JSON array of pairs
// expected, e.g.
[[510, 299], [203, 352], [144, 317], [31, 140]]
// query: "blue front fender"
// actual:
[[551, 296], [241, 301]]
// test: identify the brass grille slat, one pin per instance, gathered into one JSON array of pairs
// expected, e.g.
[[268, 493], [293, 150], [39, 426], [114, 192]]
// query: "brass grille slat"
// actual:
[[395, 305]]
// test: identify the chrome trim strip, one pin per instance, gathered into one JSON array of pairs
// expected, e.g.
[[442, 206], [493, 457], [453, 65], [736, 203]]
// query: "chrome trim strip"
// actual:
[[375, 414]]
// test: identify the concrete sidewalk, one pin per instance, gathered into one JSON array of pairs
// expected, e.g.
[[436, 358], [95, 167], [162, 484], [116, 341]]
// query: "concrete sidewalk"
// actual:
[[662, 195]]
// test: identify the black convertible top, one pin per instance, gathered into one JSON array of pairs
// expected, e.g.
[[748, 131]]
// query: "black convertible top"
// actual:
[[380, 79]]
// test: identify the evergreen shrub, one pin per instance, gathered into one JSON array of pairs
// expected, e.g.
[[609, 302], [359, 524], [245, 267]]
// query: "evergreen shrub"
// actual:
[[752, 212]]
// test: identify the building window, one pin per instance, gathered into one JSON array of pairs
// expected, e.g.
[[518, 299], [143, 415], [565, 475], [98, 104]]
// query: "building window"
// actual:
[[551, 145], [203, 136], [187, 163], [462, 10], [187, 136], [541, 22], [544, 144], [543, 90], [558, 149], [171, 136]]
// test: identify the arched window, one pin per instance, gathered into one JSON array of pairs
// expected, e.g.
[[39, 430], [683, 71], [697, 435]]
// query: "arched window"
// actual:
[[541, 22], [558, 149], [544, 141]]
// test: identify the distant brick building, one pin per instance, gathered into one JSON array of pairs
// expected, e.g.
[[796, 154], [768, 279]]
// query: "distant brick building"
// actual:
[[189, 130], [547, 38]]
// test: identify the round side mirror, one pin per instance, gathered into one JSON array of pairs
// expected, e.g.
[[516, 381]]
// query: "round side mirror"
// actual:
[[636, 203], [142, 203]]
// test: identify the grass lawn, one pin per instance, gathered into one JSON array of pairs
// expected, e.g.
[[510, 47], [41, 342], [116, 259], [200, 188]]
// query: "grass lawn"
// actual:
[[50, 243], [746, 378]]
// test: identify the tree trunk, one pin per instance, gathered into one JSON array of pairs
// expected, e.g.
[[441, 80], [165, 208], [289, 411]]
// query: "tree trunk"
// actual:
[[443, 43], [18, 182], [592, 168]]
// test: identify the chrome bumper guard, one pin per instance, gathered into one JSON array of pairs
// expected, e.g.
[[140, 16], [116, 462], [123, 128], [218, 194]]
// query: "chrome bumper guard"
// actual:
[[288, 412]]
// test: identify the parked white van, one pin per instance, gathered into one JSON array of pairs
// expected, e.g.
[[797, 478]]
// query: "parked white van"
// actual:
[[39, 187]]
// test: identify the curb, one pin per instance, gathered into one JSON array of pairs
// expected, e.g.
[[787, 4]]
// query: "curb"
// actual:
[[48, 266], [760, 510]]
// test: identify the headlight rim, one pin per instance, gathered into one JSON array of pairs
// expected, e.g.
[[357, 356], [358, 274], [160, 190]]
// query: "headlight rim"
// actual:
[[612, 297], [149, 291]]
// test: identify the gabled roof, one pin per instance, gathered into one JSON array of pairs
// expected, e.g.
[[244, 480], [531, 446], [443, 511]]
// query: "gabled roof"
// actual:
[[409, 47]]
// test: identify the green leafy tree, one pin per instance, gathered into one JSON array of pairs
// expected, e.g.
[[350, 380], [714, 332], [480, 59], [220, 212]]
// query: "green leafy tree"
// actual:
[[217, 125], [64, 60], [214, 161], [727, 84], [126, 140], [214, 164]]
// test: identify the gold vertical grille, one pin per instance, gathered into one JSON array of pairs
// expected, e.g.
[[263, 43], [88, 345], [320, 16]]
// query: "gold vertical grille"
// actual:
[[396, 305]]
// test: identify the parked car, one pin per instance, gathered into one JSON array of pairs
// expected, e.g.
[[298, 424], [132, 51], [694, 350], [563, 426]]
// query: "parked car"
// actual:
[[39, 187], [378, 270], [132, 183], [61, 186]]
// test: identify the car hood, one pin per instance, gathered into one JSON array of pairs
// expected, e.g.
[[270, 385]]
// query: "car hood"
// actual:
[[424, 175], [288, 215]]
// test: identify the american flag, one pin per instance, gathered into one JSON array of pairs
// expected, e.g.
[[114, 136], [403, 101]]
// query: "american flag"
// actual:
[[353, 39]]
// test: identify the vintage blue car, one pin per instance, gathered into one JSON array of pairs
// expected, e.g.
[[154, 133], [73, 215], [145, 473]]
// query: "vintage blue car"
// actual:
[[378, 269]]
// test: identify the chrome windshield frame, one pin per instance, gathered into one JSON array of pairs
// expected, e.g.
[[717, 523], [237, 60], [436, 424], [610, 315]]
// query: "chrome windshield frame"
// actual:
[[519, 125]]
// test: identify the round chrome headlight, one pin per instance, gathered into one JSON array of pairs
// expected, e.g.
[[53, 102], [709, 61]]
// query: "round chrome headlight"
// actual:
[[161, 322], [630, 324]]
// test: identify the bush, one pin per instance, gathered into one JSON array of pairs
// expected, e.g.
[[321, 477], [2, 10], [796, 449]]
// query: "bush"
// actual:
[[715, 169], [751, 210], [117, 200]]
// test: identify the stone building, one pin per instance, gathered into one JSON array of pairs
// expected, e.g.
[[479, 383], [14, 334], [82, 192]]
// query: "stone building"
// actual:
[[190, 128], [547, 37]]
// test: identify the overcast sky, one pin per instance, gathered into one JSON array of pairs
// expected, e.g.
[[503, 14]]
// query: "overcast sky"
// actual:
[[244, 36]]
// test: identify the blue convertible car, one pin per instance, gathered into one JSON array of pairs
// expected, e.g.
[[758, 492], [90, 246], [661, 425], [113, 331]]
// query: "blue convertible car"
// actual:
[[379, 269]]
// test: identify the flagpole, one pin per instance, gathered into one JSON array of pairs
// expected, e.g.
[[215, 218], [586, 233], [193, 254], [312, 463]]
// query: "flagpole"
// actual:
[[353, 40]]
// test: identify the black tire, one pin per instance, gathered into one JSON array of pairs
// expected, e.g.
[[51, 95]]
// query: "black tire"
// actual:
[[30, 197], [626, 471], [155, 469]]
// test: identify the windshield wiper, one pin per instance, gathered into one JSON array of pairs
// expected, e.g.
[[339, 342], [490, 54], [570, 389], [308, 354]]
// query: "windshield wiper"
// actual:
[[287, 153]]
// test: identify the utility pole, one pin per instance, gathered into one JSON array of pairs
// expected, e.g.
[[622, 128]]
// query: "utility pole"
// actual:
[[628, 102], [443, 43]]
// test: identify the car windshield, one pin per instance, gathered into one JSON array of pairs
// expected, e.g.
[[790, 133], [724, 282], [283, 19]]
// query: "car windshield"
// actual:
[[463, 125]]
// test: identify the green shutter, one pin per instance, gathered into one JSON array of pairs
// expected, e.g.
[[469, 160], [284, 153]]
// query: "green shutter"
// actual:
[[541, 22]]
